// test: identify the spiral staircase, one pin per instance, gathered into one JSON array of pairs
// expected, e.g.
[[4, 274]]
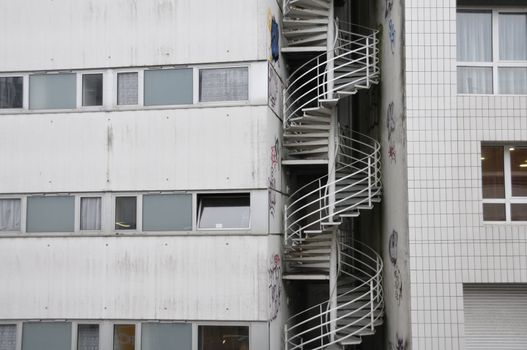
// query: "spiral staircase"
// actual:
[[344, 60]]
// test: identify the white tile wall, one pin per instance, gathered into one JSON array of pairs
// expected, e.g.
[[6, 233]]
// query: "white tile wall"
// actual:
[[449, 244]]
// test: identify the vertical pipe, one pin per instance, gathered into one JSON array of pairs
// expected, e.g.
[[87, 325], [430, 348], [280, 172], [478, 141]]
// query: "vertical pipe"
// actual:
[[372, 318], [286, 345], [368, 61], [285, 224], [369, 181]]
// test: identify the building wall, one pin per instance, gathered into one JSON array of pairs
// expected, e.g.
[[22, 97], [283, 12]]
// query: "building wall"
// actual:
[[449, 242]]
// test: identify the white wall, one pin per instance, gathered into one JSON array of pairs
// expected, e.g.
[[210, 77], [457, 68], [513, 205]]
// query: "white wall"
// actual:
[[61, 34], [180, 149], [177, 278]]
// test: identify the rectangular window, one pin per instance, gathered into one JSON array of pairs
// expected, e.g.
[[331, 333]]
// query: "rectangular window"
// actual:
[[10, 214], [92, 89], [125, 213], [167, 212], [7, 337], [223, 338], [124, 337], [127, 88], [88, 337], [46, 336], [166, 336], [504, 182], [11, 92], [90, 218], [168, 87], [492, 52], [224, 84], [50, 214], [52, 91], [219, 211]]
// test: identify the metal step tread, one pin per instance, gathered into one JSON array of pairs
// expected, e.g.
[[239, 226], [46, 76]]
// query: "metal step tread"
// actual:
[[304, 161], [305, 276]]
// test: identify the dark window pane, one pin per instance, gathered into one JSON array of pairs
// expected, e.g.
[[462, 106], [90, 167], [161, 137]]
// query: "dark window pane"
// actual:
[[519, 171], [492, 172], [11, 92], [494, 212], [51, 214], [53, 91], [225, 84], [168, 87], [223, 338], [165, 212], [88, 337], [92, 89], [519, 212], [125, 213], [124, 337], [224, 211], [7, 337], [46, 336], [127, 90], [166, 336]]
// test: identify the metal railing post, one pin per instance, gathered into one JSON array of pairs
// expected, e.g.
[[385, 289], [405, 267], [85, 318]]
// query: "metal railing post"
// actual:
[[372, 318], [321, 327], [369, 181], [367, 61], [285, 224]]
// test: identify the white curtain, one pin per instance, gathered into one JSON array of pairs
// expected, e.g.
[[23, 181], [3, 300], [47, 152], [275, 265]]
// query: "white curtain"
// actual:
[[513, 81], [91, 213], [513, 36], [7, 337], [474, 80], [9, 214], [474, 36], [88, 337], [127, 89], [230, 84]]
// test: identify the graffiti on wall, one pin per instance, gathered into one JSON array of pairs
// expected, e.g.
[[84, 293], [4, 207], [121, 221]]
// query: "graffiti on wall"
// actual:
[[391, 34], [388, 10], [274, 30], [273, 176], [275, 286], [274, 91], [392, 247], [397, 280], [399, 343], [391, 126]]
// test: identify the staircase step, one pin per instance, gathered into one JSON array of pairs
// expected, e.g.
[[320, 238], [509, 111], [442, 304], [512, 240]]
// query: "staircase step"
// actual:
[[308, 259], [306, 276], [291, 23], [347, 341], [349, 215], [317, 111], [311, 120], [305, 135], [295, 49], [304, 161], [321, 151], [307, 127], [313, 265], [306, 144], [346, 93], [329, 102], [309, 252], [312, 3], [319, 38], [306, 12], [295, 33]]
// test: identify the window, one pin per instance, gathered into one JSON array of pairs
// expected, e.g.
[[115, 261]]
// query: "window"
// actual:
[[11, 92], [9, 214], [7, 336], [52, 91], [125, 213], [88, 337], [92, 89], [225, 84], [50, 214], [46, 336], [218, 211], [491, 52], [90, 218], [504, 182], [127, 88], [165, 212], [223, 338], [168, 87], [124, 337], [166, 336]]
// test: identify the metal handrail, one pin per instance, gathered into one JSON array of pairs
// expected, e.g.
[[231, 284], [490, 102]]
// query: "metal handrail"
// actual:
[[368, 290]]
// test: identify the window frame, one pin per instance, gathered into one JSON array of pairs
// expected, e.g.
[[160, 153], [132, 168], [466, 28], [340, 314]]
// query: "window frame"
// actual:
[[496, 62], [507, 177], [220, 194]]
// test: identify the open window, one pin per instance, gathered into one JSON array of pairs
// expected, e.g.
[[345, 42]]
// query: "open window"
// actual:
[[224, 211], [223, 338], [126, 213]]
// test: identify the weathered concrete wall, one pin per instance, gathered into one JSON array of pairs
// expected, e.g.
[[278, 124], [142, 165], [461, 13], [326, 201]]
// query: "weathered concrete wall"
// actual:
[[392, 125], [121, 33]]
